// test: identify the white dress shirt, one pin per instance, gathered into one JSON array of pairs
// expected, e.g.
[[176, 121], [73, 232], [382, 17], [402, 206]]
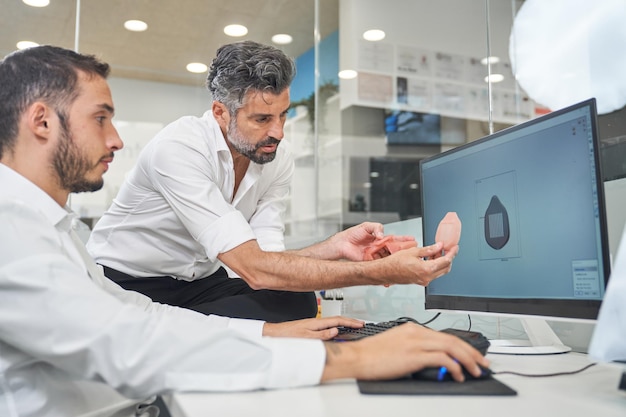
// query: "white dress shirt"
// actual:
[[175, 211], [62, 329]]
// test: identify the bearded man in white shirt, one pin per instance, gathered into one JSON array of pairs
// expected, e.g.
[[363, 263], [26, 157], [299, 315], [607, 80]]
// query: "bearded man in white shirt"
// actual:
[[210, 191], [69, 336]]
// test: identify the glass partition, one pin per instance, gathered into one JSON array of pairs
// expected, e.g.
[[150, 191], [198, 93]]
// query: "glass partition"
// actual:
[[416, 86]]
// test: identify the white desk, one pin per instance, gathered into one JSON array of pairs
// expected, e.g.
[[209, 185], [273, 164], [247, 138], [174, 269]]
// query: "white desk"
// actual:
[[592, 393]]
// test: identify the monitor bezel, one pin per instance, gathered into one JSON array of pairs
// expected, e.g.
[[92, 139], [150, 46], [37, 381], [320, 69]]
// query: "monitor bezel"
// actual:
[[543, 307]]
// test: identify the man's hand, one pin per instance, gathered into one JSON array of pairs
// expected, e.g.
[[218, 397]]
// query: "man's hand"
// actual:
[[418, 265], [398, 352], [322, 328], [356, 243]]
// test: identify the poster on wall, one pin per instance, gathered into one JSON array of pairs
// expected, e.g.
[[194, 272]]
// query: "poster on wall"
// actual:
[[448, 66], [375, 88], [417, 79], [475, 71], [414, 61], [449, 98], [376, 56], [476, 102]]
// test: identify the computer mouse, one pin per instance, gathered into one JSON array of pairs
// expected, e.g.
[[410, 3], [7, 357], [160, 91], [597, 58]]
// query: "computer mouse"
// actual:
[[442, 374]]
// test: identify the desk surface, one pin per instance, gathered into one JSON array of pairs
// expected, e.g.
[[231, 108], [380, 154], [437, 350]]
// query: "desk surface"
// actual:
[[592, 393]]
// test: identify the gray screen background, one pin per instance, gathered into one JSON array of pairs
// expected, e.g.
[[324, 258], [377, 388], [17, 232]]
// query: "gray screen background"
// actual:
[[544, 176]]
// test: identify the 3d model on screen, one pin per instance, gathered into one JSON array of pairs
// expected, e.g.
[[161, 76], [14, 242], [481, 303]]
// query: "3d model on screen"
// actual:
[[449, 231], [497, 231]]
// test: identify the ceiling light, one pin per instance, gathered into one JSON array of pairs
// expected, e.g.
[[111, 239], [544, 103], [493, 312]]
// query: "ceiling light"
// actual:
[[26, 44], [374, 174], [374, 35], [197, 67], [347, 74], [494, 78], [490, 60], [36, 3], [282, 39], [236, 30], [135, 25]]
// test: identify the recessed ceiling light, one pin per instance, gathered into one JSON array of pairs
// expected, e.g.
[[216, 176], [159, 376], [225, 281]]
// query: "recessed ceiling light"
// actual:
[[374, 35], [282, 39], [347, 74], [135, 25], [494, 78], [236, 30], [197, 67], [26, 44], [36, 3], [490, 60]]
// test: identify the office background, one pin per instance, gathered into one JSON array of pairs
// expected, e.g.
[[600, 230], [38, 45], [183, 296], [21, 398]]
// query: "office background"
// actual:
[[418, 91]]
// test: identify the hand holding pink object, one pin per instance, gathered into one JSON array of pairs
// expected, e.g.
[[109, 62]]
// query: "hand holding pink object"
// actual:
[[386, 246], [449, 231]]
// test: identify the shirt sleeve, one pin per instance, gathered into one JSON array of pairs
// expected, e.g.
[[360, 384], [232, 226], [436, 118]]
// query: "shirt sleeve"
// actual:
[[53, 312]]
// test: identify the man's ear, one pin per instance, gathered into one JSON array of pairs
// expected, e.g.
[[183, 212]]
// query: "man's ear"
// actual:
[[221, 114], [39, 119]]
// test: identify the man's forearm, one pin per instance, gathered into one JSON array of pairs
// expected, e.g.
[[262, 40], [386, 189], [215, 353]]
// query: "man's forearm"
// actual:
[[325, 249], [290, 271]]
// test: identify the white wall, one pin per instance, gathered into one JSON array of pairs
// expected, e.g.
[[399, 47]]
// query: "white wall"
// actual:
[[148, 101]]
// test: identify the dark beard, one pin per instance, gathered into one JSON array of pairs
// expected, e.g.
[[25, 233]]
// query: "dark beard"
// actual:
[[248, 150], [250, 153], [71, 165]]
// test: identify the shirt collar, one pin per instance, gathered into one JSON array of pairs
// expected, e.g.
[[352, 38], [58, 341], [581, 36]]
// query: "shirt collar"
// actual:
[[222, 148], [16, 187], [220, 145]]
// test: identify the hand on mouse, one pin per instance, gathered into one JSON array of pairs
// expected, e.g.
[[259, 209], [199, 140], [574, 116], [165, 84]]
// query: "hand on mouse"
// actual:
[[398, 352]]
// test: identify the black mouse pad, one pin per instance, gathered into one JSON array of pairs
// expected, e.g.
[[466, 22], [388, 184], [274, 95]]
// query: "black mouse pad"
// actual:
[[489, 386]]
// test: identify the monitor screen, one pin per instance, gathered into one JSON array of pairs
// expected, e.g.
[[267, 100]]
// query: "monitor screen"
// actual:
[[530, 199]]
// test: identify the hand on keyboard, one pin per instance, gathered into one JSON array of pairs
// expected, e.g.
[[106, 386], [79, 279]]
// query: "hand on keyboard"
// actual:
[[399, 351], [369, 329], [476, 339]]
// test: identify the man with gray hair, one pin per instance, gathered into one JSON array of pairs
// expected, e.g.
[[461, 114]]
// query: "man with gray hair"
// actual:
[[205, 202], [70, 338]]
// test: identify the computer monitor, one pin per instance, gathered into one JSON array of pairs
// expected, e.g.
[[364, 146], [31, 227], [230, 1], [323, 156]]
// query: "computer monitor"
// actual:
[[534, 241]]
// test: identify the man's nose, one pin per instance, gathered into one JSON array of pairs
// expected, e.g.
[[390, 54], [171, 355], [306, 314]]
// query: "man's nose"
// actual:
[[277, 130], [113, 140]]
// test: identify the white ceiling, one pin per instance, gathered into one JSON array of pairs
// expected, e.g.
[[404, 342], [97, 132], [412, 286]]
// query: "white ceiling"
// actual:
[[179, 31]]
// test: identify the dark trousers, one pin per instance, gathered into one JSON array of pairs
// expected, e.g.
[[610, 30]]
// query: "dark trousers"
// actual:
[[218, 294]]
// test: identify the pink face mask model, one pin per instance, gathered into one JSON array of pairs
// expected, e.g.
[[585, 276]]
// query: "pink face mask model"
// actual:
[[449, 231]]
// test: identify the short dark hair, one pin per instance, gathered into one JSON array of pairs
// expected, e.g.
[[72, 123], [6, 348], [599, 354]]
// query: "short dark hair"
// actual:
[[46, 73], [243, 66]]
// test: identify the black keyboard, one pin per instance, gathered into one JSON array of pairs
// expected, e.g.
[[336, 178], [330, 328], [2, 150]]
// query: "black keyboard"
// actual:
[[476, 339], [369, 329]]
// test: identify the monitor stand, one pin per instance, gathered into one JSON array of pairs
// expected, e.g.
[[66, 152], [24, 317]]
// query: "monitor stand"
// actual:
[[541, 341]]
